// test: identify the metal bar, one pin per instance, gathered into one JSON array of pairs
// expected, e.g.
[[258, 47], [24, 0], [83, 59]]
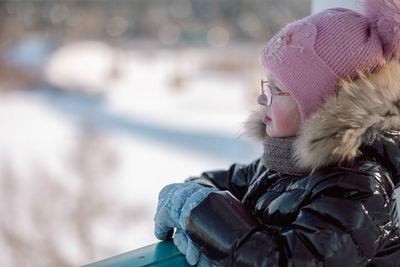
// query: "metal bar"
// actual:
[[160, 255]]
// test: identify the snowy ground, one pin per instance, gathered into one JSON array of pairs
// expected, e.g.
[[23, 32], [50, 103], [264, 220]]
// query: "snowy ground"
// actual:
[[81, 169]]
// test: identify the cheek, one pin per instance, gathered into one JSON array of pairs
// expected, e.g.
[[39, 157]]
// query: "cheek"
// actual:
[[281, 116], [285, 120]]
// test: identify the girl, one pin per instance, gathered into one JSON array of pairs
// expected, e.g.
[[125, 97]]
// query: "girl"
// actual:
[[322, 194]]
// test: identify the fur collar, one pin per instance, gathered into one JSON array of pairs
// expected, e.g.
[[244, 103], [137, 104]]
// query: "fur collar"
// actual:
[[355, 115]]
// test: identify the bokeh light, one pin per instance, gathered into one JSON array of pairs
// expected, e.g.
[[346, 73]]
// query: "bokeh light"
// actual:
[[218, 36], [169, 34]]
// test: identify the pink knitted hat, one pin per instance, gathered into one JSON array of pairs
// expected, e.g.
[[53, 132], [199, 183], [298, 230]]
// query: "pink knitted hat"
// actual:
[[310, 55]]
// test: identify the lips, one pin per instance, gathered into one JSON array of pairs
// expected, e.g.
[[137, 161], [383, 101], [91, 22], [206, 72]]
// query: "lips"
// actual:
[[266, 119]]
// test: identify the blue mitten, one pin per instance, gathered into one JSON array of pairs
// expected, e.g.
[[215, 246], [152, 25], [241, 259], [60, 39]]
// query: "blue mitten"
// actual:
[[186, 247], [175, 202]]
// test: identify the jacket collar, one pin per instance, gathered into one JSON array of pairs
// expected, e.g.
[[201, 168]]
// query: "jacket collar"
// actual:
[[360, 113]]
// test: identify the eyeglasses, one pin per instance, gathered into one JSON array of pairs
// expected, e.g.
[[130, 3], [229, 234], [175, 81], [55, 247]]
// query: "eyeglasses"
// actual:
[[267, 92]]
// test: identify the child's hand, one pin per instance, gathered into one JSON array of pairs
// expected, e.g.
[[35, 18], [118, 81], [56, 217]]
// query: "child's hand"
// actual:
[[175, 202], [186, 247]]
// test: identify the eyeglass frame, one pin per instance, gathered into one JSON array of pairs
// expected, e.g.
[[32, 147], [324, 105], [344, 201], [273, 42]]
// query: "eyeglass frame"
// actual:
[[269, 102]]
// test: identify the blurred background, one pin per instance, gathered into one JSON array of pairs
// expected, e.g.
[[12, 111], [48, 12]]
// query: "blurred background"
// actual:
[[104, 102]]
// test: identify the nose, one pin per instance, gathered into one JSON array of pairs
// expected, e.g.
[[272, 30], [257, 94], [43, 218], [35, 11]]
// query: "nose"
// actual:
[[261, 99]]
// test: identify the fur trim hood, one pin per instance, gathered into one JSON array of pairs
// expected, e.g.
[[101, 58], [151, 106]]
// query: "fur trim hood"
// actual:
[[356, 115]]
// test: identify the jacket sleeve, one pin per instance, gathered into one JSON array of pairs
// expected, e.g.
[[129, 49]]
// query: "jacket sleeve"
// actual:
[[336, 226], [235, 180]]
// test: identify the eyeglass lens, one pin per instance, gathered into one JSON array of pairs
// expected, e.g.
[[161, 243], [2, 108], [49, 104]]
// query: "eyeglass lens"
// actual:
[[267, 93]]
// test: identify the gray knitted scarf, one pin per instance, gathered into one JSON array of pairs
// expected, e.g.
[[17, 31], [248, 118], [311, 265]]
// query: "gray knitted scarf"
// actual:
[[278, 156]]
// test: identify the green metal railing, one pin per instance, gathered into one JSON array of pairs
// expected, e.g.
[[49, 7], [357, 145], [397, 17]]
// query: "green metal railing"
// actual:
[[160, 254]]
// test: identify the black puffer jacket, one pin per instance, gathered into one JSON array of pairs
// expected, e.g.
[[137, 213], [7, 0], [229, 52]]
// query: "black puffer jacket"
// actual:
[[343, 213]]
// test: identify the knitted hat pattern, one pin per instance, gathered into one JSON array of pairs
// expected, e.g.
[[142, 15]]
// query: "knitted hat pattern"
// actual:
[[309, 56]]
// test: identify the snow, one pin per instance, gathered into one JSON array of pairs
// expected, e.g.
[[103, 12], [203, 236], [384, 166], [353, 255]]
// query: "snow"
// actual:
[[82, 166], [88, 70]]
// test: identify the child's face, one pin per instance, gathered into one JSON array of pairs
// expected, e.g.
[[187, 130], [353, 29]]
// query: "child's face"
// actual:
[[282, 117]]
